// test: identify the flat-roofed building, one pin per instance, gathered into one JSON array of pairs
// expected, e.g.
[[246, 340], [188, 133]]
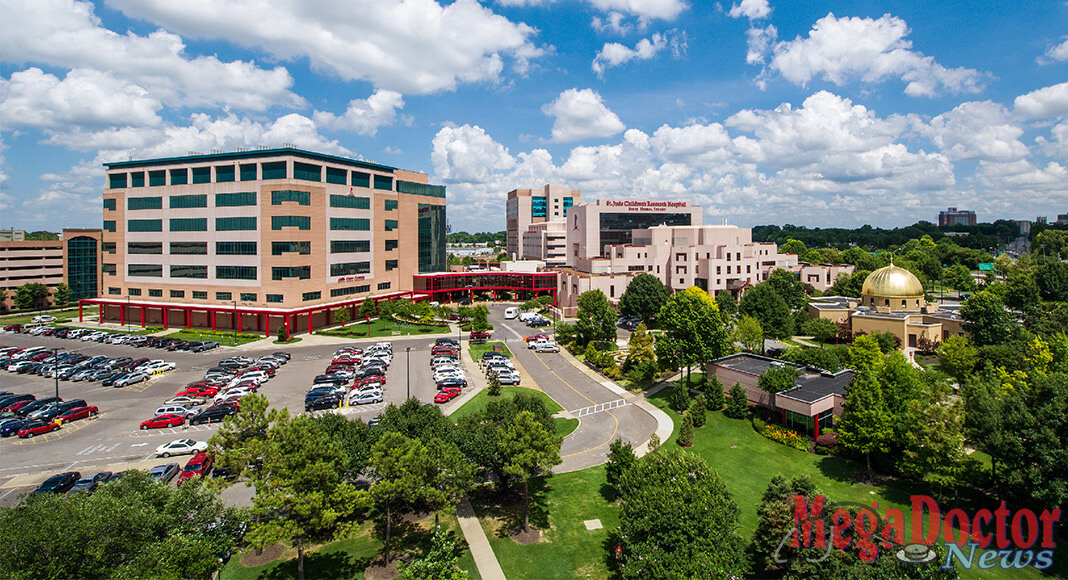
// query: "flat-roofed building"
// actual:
[[527, 207], [74, 259], [258, 239]]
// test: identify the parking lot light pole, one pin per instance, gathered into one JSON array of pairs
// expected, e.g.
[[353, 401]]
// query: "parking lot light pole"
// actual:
[[408, 372], [55, 369]]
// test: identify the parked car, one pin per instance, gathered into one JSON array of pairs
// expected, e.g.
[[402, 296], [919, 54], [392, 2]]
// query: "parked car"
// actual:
[[181, 447], [164, 473], [366, 398], [508, 378], [198, 466], [213, 414], [25, 410], [60, 483], [159, 421], [34, 428], [327, 401], [547, 346], [76, 413], [447, 394], [184, 401], [89, 483]]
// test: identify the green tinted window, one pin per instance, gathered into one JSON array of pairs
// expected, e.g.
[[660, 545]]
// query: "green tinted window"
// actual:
[[109, 203], [384, 182], [189, 248], [155, 293], [248, 297], [391, 244], [361, 179], [177, 293], [391, 204], [179, 176], [157, 178], [391, 225], [307, 171], [280, 197], [144, 248], [230, 224], [350, 201], [189, 272], [235, 248], [201, 175], [133, 291], [200, 295], [337, 176], [391, 265], [356, 224], [349, 246], [224, 173], [275, 298], [109, 225], [137, 179], [279, 248], [144, 226], [144, 203], [224, 296], [150, 270], [116, 180], [189, 224], [301, 272], [302, 222], [187, 201], [235, 273], [350, 268], [312, 296], [235, 199], [248, 172], [274, 170]]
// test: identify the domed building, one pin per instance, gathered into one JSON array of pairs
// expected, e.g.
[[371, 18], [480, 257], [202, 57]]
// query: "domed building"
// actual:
[[892, 299]]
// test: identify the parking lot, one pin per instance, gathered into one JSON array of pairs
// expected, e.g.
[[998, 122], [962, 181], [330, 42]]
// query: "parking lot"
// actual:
[[113, 437]]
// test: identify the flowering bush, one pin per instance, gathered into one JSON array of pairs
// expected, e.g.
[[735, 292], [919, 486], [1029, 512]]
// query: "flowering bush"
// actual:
[[784, 436], [828, 439]]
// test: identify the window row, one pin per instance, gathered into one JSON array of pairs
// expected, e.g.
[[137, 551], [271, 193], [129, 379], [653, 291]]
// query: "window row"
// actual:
[[251, 172], [222, 224], [194, 248], [186, 271]]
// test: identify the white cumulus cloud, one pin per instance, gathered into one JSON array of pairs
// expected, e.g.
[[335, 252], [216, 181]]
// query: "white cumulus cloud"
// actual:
[[364, 116], [408, 46], [1045, 102], [581, 115], [977, 130], [751, 9], [85, 97], [1057, 53], [614, 54], [840, 50]]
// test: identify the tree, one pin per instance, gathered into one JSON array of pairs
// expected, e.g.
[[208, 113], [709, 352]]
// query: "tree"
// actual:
[[714, 399], [1021, 292], [822, 329], [596, 320], [750, 334], [959, 277], [494, 389], [738, 404], [621, 459], [1052, 280], [764, 303], [787, 285], [399, 464], [793, 246], [888, 341], [934, 441], [130, 528], [685, 438], [62, 294], [42, 236], [31, 296], [697, 410], [299, 491], [530, 449], [958, 357], [693, 331], [440, 563], [282, 333], [639, 348], [865, 356], [728, 305], [3, 298], [342, 316], [483, 431], [985, 319], [775, 517], [677, 520], [778, 379], [866, 424], [479, 322], [644, 297]]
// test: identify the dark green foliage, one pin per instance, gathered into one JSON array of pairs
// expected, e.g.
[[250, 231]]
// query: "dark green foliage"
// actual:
[[714, 393], [1021, 292], [776, 518], [888, 341], [697, 411], [644, 297], [439, 563], [728, 305], [478, 319], [788, 286], [866, 426], [849, 284], [282, 333], [621, 459], [831, 358], [677, 520], [482, 431], [62, 294], [778, 379], [418, 421], [986, 320], [738, 404], [131, 528], [491, 238], [694, 332], [596, 319], [822, 329], [494, 389], [355, 438], [685, 438], [1052, 280], [31, 296], [763, 303]]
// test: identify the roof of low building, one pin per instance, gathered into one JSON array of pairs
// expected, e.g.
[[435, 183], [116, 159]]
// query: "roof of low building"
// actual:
[[813, 386]]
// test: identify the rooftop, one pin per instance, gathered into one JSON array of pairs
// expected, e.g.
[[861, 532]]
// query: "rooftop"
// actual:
[[257, 153], [812, 384]]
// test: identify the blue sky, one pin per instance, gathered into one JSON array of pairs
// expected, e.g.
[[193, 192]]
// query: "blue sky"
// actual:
[[811, 113]]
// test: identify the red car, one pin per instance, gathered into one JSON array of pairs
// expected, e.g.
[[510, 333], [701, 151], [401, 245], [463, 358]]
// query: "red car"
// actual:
[[199, 465], [535, 337], [447, 394], [40, 356], [163, 421], [200, 392], [346, 360], [77, 413], [15, 407], [372, 380], [36, 428]]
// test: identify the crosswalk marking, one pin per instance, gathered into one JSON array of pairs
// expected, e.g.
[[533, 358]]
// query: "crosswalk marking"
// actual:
[[599, 408]]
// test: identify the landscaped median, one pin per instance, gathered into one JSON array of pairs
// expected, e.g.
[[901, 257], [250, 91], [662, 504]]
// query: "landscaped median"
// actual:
[[223, 337], [564, 427], [382, 327]]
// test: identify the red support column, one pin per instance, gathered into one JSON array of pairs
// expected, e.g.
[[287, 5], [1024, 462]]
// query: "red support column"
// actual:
[[164, 318], [328, 318], [266, 325], [238, 316], [80, 312], [122, 315], [311, 318], [212, 314], [188, 317], [142, 317], [783, 416], [289, 329], [816, 422]]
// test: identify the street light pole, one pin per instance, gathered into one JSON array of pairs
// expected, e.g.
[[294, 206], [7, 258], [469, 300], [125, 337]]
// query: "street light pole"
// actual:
[[55, 369], [408, 371]]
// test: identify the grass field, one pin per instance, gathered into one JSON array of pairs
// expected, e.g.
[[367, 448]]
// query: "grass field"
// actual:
[[223, 340], [348, 558], [25, 317], [479, 401], [476, 350], [383, 327]]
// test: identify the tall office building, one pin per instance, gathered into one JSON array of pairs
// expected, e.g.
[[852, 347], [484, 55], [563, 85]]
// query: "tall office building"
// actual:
[[74, 259], [955, 217], [548, 204], [258, 239]]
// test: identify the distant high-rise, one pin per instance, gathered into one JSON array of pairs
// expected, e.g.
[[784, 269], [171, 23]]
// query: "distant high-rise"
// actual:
[[955, 217], [533, 206]]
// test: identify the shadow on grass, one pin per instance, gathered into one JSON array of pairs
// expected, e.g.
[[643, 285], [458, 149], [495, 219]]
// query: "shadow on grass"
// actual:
[[506, 506], [318, 565], [611, 560]]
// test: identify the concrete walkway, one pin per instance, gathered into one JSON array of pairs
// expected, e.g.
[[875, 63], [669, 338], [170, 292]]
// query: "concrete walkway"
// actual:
[[486, 561]]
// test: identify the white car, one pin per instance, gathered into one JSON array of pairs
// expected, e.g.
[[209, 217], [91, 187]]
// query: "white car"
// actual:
[[371, 388], [176, 410], [181, 447], [184, 401], [92, 336], [366, 398], [157, 366], [238, 391], [508, 378], [131, 379], [546, 346]]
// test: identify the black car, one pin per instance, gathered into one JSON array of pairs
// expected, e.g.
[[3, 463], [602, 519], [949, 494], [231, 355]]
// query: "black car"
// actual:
[[61, 483], [89, 483], [451, 341], [213, 414], [38, 404], [118, 363], [325, 402], [12, 399], [330, 379], [452, 383], [12, 428], [62, 408], [110, 381]]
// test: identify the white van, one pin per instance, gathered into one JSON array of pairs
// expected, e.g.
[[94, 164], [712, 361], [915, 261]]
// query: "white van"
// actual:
[[510, 313]]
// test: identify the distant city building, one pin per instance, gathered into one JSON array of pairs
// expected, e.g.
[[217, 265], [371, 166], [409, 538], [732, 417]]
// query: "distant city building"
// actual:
[[12, 235], [1025, 227], [1062, 219], [74, 260], [955, 217], [524, 207]]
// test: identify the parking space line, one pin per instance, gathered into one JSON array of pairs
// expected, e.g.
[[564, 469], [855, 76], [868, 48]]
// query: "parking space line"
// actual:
[[57, 435]]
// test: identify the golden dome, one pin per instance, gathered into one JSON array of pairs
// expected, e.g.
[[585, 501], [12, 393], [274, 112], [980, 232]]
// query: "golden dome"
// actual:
[[892, 281]]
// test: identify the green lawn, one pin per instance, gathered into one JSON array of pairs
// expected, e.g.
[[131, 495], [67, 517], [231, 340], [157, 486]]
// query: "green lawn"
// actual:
[[479, 402], [223, 339], [346, 558], [383, 327], [567, 548], [25, 317], [476, 350]]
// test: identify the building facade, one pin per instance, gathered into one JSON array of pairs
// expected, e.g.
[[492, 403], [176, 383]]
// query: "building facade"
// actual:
[[955, 217], [74, 259], [593, 226], [264, 237], [12, 235], [524, 207]]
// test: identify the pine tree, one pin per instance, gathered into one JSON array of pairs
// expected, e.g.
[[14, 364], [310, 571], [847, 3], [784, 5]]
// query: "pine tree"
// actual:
[[866, 424], [697, 409], [714, 398], [494, 386], [738, 405], [686, 431]]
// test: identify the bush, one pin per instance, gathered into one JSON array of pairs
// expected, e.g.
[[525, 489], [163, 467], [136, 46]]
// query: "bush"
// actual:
[[785, 436], [738, 405], [593, 356], [758, 424], [643, 372], [821, 450], [714, 393], [827, 439], [614, 372], [686, 431], [697, 409], [682, 398]]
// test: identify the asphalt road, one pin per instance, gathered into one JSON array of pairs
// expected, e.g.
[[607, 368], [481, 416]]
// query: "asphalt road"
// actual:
[[603, 414], [114, 436]]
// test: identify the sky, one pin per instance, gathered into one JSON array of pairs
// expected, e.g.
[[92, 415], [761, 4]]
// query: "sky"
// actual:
[[828, 114]]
